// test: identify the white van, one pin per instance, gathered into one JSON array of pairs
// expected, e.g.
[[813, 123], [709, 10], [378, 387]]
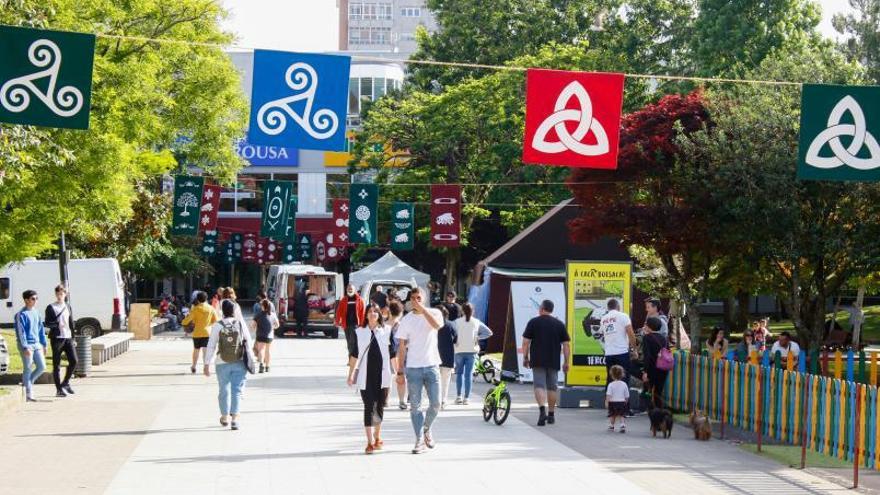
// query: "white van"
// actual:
[[97, 292], [401, 287], [285, 282]]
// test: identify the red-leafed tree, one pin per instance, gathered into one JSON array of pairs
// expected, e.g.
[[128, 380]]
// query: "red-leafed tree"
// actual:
[[651, 204]]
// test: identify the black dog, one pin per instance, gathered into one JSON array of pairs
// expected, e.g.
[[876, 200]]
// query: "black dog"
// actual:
[[661, 420]]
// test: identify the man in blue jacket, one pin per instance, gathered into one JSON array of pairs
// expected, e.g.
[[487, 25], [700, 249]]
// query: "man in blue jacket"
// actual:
[[31, 338]]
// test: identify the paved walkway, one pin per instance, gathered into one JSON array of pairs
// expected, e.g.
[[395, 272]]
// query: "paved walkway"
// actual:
[[143, 424]]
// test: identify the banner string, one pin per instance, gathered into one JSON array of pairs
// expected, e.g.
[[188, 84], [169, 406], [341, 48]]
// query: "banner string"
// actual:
[[469, 65]]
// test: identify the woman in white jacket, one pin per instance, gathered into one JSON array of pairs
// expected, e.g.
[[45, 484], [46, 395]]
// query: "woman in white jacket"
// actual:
[[470, 332], [371, 371]]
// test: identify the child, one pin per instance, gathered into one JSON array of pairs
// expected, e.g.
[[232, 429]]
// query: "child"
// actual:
[[617, 398]]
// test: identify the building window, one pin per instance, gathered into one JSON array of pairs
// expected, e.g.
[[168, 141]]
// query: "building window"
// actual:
[[370, 11], [378, 88], [411, 12], [369, 35], [354, 104], [407, 36], [4, 288]]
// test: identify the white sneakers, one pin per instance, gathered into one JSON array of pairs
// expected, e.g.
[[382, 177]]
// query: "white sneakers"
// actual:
[[419, 447]]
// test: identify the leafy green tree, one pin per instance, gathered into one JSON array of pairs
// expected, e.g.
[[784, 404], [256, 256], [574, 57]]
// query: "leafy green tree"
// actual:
[[146, 96], [862, 30]]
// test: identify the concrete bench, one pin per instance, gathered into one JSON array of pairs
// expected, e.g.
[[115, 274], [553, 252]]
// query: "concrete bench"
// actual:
[[109, 345]]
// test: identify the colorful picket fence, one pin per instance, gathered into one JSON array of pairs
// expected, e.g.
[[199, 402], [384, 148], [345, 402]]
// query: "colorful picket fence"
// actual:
[[834, 416]]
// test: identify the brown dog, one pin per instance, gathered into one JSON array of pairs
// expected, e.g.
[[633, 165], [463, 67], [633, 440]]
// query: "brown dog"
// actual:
[[702, 425]]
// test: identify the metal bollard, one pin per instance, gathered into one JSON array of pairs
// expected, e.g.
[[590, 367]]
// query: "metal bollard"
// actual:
[[83, 355]]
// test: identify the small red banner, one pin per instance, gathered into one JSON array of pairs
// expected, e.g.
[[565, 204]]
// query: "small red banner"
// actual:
[[340, 223], [446, 215], [210, 207]]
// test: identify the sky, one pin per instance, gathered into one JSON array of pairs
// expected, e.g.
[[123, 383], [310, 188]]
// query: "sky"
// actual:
[[313, 25]]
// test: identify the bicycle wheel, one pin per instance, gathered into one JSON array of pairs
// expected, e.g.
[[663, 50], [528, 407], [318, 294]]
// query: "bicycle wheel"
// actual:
[[502, 408], [488, 406], [488, 371]]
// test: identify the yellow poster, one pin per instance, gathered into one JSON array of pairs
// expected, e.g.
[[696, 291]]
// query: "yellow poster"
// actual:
[[588, 287]]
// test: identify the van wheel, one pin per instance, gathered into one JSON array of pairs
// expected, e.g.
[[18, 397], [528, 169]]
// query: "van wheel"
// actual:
[[90, 328], [332, 334]]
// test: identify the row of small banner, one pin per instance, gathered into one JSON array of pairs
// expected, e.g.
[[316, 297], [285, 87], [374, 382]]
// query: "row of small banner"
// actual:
[[299, 100], [251, 248], [196, 206]]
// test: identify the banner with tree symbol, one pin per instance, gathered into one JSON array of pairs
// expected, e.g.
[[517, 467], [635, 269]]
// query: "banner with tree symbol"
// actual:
[[46, 77], [187, 200], [276, 205], [402, 226], [362, 226]]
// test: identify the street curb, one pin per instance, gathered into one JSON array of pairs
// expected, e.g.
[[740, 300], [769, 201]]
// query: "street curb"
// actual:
[[10, 402]]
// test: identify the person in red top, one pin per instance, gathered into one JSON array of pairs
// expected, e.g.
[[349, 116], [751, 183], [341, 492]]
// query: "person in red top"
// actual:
[[349, 316]]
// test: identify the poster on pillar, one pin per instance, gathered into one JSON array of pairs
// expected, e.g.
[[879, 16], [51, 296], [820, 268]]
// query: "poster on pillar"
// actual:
[[402, 226], [304, 247], [276, 207], [525, 300], [209, 243], [445, 215], [249, 248], [364, 199], [209, 208], [187, 199], [340, 223], [45, 77]]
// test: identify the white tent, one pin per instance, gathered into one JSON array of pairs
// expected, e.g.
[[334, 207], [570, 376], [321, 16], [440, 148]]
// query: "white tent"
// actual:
[[389, 267]]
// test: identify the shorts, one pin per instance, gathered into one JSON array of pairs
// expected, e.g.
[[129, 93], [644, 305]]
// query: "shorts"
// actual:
[[200, 342], [617, 409], [545, 378], [264, 340]]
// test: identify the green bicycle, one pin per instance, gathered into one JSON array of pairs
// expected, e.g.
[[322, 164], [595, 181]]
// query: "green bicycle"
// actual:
[[485, 368], [496, 404]]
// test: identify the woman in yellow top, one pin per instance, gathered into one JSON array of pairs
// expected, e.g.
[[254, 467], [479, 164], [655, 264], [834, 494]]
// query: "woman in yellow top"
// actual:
[[202, 317]]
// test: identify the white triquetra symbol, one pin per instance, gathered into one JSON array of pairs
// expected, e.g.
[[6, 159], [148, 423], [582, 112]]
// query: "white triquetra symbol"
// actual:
[[858, 131], [584, 118], [15, 93], [272, 116]]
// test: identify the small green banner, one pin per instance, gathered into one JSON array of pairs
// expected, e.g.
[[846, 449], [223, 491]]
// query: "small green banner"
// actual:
[[233, 249], [276, 206], [46, 77], [840, 126], [291, 253], [362, 225], [402, 226], [290, 230], [304, 247], [187, 200], [209, 243]]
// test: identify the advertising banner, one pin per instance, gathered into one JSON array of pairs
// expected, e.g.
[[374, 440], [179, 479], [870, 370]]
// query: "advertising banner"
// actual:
[[589, 286], [526, 298]]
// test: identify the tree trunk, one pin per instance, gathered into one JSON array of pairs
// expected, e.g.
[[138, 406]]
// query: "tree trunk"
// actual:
[[857, 311], [693, 320], [728, 310], [453, 255], [742, 311]]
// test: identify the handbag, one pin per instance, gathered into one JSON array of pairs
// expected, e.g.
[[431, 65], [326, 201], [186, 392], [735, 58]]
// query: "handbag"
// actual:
[[665, 359], [248, 357]]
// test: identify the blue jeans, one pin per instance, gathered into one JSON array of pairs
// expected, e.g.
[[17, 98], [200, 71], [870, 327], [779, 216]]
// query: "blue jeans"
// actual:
[[416, 379], [230, 376], [28, 376], [464, 371]]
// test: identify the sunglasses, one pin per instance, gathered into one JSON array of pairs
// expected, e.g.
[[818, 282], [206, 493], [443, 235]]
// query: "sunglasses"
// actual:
[[32, 298]]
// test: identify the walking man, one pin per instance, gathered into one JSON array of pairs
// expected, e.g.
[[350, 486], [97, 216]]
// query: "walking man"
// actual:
[[451, 306], [350, 314], [619, 339], [544, 340], [417, 337], [59, 320], [31, 338]]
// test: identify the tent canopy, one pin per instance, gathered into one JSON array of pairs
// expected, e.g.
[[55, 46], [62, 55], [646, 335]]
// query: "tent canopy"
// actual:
[[389, 267]]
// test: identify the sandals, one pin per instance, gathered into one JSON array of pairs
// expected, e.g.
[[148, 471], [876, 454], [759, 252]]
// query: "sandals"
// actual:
[[369, 449], [377, 445]]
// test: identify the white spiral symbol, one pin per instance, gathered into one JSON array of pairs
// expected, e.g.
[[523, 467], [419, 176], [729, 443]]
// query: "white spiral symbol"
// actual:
[[15, 94], [272, 116]]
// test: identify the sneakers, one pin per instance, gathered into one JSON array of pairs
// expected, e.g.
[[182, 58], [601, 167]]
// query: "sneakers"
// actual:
[[267, 368], [465, 402], [623, 429], [233, 425], [262, 368], [442, 406], [402, 406], [610, 427], [551, 419], [192, 369], [429, 440], [542, 418], [419, 447], [67, 388], [224, 421], [459, 401], [30, 399], [60, 393]]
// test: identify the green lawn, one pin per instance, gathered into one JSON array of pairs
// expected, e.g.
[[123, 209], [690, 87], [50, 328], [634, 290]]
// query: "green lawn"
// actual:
[[790, 455], [14, 357], [4, 391]]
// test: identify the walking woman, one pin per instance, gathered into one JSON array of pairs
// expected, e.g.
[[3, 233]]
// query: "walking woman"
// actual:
[[446, 339], [370, 369], [267, 322], [470, 332], [59, 321], [652, 342], [230, 339]]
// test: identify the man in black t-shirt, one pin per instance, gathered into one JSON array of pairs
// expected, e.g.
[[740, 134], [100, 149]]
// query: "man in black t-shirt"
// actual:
[[544, 340], [451, 306]]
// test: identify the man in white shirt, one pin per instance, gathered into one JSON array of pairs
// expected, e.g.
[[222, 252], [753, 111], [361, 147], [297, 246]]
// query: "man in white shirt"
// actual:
[[417, 335], [619, 339], [786, 348]]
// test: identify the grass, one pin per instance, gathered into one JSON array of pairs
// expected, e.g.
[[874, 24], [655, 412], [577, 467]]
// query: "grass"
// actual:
[[790, 455], [14, 356], [4, 391]]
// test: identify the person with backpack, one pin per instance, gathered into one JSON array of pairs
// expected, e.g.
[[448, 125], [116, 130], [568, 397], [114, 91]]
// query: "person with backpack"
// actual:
[[657, 358], [230, 339], [59, 321]]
